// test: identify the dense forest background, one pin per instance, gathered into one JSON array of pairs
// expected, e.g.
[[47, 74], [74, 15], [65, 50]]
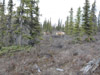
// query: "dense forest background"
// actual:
[[22, 27], [19, 27], [29, 47]]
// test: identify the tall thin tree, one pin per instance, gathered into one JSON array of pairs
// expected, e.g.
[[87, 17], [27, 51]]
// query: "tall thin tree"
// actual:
[[99, 22], [77, 23], [86, 20], [71, 22], [67, 26], [21, 20], [10, 13], [93, 18]]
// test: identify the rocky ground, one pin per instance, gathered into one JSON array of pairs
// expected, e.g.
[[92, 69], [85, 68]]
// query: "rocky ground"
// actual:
[[53, 56]]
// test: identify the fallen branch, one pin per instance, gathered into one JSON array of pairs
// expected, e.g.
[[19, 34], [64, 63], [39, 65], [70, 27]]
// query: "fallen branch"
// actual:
[[91, 66], [59, 69]]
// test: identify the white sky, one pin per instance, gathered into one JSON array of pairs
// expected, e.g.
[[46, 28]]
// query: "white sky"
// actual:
[[56, 9]]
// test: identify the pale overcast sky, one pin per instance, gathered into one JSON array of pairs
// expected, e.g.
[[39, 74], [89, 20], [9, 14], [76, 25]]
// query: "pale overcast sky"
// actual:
[[56, 9]]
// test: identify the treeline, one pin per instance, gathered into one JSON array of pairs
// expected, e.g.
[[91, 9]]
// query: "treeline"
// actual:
[[49, 28], [85, 22], [20, 27]]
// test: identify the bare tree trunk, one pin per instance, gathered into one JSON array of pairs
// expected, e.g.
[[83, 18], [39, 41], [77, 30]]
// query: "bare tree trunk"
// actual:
[[21, 22], [21, 26]]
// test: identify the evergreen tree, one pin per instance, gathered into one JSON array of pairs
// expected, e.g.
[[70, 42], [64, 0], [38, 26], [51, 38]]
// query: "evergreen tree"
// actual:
[[93, 19], [77, 23], [10, 13], [47, 27], [62, 28], [67, 25], [59, 25], [21, 23], [2, 22], [99, 22], [86, 20], [21, 20], [35, 28], [71, 22]]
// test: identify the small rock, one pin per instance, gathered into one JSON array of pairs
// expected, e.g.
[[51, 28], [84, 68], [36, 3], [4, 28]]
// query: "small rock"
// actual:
[[58, 69]]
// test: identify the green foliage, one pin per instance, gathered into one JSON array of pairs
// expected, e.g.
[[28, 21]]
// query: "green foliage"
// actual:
[[99, 22], [25, 36], [2, 22], [59, 27], [93, 19], [90, 39], [77, 40], [47, 27], [9, 29], [63, 28], [86, 20], [67, 25], [71, 22], [34, 25], [86, 26], [12, 49], [22, 24], [0, 46], [77, 23]]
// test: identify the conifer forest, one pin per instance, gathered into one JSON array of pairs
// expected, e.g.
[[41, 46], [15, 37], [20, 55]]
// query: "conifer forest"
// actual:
[[31, 47]]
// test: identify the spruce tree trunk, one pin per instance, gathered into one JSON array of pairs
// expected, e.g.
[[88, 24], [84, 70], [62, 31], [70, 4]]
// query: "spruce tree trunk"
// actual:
[[20, 36], [21, 23], [9, 31], [2, 22]]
